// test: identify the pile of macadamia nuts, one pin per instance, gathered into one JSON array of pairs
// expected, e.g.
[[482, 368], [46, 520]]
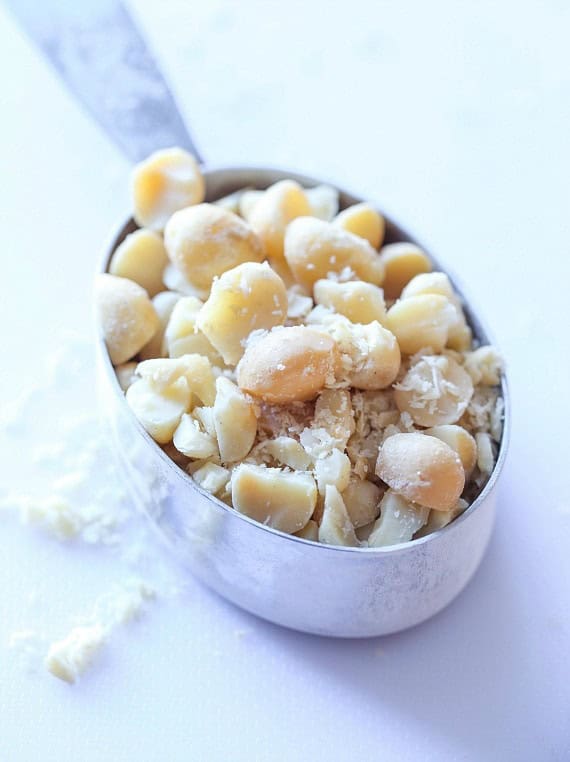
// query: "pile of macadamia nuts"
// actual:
[[302, 372]]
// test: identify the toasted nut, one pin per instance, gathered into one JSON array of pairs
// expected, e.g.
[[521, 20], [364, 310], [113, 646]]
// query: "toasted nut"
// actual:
[[163, 372], [270, 216], [286, 451], [435, 391], [182, 336], [314, 248], [421, 322], [460, 442], [402, 262], [323, 200], [363, 220], [126, 374], [439, 519], [288, 365], [423, 469], [211, 477], [335, 527], [163, 304], [333, 412], [485, 453], [127, 316], [204, 241], [159, 411], [167, 181], [235, 421], [459, 335], [333, 469], [247, 298], [309, 532], [375, 356], [358, 301], [191, 441], [142, 258], [399, 520], [247, 201], [484, 365], [283, 500], [362, 500]]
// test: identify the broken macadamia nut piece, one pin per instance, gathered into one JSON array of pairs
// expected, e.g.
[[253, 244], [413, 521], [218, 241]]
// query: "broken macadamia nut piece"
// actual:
[[296, 373]]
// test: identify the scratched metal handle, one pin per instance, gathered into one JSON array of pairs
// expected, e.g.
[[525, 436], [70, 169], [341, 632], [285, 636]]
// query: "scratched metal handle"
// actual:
[[100, 54]]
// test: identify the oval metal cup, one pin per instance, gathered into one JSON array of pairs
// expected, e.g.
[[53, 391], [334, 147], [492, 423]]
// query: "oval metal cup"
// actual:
[[325, 590]]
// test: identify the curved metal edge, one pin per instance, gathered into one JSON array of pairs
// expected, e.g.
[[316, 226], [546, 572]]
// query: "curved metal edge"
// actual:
[[480, 330]]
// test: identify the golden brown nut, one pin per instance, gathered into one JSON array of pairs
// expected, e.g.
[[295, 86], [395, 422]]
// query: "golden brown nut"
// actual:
[[423, 469], [363, 220], [204, 241], [314, 248], [288, 365], [246, 298], [169, 180], [274, 210], [435, 391], [402, 262], [126, 314]]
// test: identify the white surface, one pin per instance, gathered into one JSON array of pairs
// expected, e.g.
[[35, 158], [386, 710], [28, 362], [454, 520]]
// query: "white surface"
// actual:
[[455, 118]]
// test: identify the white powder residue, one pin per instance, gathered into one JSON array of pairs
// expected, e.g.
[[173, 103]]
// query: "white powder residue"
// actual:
[[70, 657]]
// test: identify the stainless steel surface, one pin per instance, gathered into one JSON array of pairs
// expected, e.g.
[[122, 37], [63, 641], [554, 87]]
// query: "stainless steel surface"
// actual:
[[98, 51], [345, 592]]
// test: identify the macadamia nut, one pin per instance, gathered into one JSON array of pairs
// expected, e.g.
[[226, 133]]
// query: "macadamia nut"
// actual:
[[163, 304], [402, 261], [358, 301], [336, 527], [182, 335], [435, 391], [362, 500], [167, 181], [323, 200], [284, 500], [421, 322], [126, 314], [191, 441], [423, 469], [142, 258], [399, 520], [314, 248], [159, 411], [204, 241], [288, 365], [277, 207], [235, 421], [460, 442], [247, 298], [364, 221]]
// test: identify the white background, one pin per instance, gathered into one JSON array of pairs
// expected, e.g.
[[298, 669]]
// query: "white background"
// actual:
[[455, 117]]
